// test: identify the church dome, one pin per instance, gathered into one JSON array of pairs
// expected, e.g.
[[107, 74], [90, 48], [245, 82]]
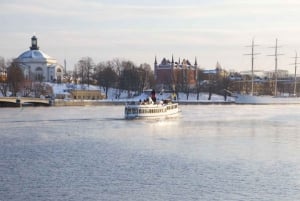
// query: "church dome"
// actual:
[[34, 54]]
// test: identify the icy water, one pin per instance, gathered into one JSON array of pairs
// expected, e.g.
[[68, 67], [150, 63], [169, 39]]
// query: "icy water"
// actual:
[[211, 152]]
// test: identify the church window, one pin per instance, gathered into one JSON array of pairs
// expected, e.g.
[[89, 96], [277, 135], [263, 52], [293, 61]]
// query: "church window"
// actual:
[[39, 74]]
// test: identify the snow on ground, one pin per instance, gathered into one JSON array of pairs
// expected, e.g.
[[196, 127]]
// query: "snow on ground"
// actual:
[[112, 94]]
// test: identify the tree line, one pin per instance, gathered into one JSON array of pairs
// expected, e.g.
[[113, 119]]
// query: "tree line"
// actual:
[[124, 75], [116, 73]]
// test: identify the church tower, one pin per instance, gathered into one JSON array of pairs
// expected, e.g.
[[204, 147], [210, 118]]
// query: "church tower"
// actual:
[[34, 45], [155, 68]]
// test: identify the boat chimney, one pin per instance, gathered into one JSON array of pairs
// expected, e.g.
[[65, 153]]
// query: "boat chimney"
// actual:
[[153, 97]]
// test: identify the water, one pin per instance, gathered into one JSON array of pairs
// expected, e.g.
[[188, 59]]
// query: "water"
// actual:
[[211, 152]]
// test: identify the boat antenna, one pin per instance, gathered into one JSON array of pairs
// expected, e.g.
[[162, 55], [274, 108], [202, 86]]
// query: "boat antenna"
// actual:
[[295, 75], [276, 63], [252, 63]]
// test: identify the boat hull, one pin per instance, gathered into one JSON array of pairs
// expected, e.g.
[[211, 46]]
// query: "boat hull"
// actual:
[[248, 99], [152, 111]]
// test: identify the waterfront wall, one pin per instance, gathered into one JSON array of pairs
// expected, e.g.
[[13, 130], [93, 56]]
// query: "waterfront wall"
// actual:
[[59, 102]]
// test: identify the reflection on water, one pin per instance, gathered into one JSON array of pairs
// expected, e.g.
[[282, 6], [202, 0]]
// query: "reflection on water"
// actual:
[[210, 152]]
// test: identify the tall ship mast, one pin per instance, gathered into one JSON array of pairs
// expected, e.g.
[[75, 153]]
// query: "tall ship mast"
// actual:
[[252, 54], [276, 66], [268, 99], [295, 75]]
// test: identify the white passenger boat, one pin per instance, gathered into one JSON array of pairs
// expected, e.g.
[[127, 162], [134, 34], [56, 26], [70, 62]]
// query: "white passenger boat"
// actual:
[[151, 110]]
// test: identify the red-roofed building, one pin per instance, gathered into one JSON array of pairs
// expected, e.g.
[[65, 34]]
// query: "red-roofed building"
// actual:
[[170, 73]]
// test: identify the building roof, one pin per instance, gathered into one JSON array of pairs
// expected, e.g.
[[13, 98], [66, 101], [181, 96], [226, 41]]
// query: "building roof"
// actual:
[[34, 54]]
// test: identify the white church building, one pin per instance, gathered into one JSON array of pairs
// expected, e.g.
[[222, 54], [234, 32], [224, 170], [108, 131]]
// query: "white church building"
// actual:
[[38, 66]]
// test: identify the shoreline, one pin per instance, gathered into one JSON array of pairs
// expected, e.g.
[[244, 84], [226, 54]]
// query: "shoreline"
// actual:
[[66, 103], [62, 103]]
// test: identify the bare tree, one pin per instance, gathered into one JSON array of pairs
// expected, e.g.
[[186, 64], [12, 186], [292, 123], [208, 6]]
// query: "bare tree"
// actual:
[[180, 81], [42, 89], [15, 78], [106, 76], [84, 69], [199, 78], [185, 82], [146, 76], [129, 77]]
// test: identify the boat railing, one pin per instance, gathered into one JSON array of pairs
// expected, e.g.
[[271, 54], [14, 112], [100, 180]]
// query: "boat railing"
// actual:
[[151, 103], [132, 103]]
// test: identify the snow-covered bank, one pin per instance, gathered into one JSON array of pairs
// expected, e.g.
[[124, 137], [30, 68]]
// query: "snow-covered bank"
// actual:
[[114, 95]]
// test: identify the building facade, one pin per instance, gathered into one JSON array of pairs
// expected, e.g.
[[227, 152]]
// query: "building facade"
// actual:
[[168, 73], [38, 66]]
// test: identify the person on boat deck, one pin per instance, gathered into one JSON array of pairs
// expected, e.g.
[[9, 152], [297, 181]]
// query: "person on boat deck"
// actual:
[[153, 96]]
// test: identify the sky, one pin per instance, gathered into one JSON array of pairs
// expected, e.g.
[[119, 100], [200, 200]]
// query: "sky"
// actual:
[[138, 30]]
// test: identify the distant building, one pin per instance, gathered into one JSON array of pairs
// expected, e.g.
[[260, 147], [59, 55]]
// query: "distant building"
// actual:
[[38, 66], [168, 72], [213, 73], [267, 75]]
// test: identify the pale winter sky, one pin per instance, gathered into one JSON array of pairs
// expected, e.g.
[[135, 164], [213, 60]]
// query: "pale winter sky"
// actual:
[[211, 30]]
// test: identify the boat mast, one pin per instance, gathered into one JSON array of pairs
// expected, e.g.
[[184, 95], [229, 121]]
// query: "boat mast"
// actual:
[[252, 65], [276, 63], [276, 72], [295, 76]]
